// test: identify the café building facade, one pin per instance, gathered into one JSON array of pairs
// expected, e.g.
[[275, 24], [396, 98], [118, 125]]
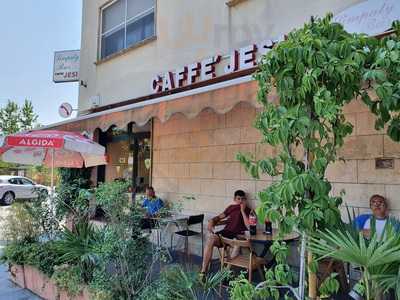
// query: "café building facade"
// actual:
[[167, 87]]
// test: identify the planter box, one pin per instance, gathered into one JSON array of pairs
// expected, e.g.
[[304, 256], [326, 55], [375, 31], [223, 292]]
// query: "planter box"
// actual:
[[17, 275], [34, 280], [40, 284], [84, 295]]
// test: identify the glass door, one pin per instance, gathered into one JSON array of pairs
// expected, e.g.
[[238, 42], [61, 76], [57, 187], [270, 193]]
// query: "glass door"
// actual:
[[141, 160]]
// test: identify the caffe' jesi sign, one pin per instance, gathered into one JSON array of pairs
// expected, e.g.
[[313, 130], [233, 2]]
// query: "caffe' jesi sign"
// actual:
[[240, 59]]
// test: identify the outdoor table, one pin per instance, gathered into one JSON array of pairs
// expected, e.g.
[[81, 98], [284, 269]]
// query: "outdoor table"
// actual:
[[266, 239], [164, 224]]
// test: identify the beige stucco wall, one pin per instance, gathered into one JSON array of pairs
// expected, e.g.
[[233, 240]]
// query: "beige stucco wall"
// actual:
[[187, 31]]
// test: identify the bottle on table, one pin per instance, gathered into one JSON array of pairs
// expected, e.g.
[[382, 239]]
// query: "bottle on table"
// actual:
[[268, 227], [253, 222]]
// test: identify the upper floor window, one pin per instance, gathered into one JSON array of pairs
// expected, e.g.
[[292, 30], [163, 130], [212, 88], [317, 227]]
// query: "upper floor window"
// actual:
[[125, 23]]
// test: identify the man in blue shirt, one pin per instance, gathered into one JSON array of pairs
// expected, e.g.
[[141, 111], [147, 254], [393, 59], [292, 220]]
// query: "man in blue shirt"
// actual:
[[152, 203], [375, 222]]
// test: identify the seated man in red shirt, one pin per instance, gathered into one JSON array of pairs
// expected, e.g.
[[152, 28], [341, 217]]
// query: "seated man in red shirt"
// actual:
[[237, 221]]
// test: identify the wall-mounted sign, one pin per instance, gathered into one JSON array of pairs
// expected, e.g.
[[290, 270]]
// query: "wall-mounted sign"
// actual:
[[206, 69], [384, 163], [370, 17], [66, 66]]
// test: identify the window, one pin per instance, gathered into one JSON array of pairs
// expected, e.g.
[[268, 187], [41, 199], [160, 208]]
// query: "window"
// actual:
[[26, 181], [126, 23], [14, 181], [231, 3]]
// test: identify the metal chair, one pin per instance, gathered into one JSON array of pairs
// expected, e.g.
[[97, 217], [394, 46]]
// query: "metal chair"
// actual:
[[192, 220]]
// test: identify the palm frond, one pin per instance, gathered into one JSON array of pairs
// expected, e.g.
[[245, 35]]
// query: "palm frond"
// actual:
[[389, 279], [79, 247], [378, 257]]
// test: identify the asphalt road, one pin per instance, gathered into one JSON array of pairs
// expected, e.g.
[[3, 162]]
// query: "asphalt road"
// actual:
[[8, 290]]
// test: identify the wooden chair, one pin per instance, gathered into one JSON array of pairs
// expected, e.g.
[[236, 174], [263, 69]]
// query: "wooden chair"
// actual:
[[249, 261], [220, 223], [327, 266]]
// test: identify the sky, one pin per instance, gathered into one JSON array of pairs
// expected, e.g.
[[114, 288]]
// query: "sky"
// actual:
[[30, 32]]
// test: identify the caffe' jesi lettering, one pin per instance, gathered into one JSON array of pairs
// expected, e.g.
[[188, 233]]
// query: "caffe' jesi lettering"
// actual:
[[240, 59]]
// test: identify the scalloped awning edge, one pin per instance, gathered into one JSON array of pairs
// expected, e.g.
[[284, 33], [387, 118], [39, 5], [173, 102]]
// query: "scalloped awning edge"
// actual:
[[220, 100]]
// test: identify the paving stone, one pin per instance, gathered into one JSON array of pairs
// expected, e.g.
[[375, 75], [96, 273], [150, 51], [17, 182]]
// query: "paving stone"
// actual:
[[11, 291], [7, 286], [18, 295]]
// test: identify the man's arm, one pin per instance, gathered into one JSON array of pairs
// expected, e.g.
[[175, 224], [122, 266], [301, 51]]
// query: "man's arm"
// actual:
[[244, 214], [214, 221]]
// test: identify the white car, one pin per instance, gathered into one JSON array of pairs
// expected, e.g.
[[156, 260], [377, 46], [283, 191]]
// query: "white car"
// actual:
[[18, 187]]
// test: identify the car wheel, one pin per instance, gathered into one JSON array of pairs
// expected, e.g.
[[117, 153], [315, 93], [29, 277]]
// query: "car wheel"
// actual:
[[8, 198]]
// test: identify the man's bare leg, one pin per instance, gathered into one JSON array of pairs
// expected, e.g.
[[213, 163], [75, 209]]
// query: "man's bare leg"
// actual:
[[212, 241], [234, 252]]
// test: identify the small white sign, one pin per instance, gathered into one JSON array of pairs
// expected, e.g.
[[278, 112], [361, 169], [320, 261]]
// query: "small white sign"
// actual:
[[371, 17], [66, 66], [65, 110]]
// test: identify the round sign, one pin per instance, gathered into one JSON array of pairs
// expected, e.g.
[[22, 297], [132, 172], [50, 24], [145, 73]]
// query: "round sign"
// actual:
[[65, 110]]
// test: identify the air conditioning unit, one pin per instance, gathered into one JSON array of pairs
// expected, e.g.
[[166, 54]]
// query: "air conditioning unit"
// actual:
[[94, 101]]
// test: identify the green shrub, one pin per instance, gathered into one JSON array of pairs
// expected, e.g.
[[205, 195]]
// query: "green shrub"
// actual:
[[43, 256], [43, 215], [123, 252], [15, 253], [175, 283], [113, 198], [115, 261], [40, 255], [19, 224], [100, 286], [70, 192], [68, 278], [124, 264]]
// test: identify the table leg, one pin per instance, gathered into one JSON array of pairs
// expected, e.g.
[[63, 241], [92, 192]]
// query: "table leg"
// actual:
[[163, 233], [267, 245]]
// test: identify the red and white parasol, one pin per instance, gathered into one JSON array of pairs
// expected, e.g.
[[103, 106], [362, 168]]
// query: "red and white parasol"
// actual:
[[52, 148]]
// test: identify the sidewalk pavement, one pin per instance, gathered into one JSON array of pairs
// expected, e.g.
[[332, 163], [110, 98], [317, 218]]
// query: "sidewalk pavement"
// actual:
[[9, 290]]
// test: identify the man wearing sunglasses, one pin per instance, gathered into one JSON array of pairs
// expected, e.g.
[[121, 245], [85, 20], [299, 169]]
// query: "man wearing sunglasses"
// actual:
[[377, 221]]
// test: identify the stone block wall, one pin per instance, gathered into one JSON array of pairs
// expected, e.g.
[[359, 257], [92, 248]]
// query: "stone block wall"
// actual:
[[358, 175], [197, 157]]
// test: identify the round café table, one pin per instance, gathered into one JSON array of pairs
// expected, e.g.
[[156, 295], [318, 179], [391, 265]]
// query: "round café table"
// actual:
[[266, 239]]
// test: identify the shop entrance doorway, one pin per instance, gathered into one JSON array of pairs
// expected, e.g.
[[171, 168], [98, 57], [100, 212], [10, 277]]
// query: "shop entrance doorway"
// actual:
[[129, 156]]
